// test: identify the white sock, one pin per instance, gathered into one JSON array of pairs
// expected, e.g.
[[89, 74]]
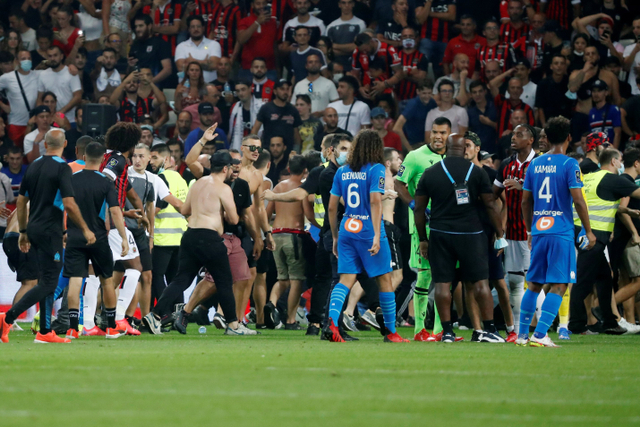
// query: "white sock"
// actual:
[[128, 290], [539, 302], [516, 292], [90, 301]]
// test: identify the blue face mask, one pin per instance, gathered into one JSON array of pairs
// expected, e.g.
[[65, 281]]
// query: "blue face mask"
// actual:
[[26, 65], [342, 158], [322, 157], [620, 170]]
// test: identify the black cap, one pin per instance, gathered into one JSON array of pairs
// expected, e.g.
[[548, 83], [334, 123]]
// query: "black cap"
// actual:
[[550, 27], [221, 158], [600, 84], [205, 108], [280, 83], [485, 155], [39, 109]]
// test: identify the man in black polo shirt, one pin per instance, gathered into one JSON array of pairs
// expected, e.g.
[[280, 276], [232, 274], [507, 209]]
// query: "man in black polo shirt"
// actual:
[[454, 186], [151, 52], [47, 185]]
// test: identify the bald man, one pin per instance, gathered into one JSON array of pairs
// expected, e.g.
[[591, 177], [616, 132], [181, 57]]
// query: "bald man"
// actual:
[[47, 185], [331, 119], [461, 78]]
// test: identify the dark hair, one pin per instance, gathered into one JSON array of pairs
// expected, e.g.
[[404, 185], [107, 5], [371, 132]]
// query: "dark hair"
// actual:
[[491, 21], [263, 159], [425, 84], [630, 156], [612, 60], [297, 164], [361, 39], [302, 27], [378, 64], [55, 46], [477, 83], [233, 150], [68, 10], [558, 55], [336, 138], [351, 81], [557, 130], [201, 84], [83, 51], [83, 141], [329, 43], [12, 149], [49, 93], [18, 13], [122, 136], [439, 121], [110, 49], [607, 155], [176, 142], [245, 82], [161, 149], [195, 18], [304, 97], [388, 153], [258, 58], [578, 156], [583, 36], [468, 16], [6, 56], [313, 159], [367, 148], [144, 18], [79, 108], [445, 82], [94, 151], [44, 32], [389, 99]]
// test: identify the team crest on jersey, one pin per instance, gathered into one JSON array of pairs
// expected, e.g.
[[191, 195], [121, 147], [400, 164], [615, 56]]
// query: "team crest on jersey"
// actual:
[[573, 275], [381, 183], [477, 46], [56, 257], [169, 11], [149, 49], [267, 90], [401, 170], [113, 162], [352, 28]]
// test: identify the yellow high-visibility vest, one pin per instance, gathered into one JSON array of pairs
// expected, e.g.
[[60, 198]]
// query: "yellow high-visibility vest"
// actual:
[[170, 224], [602, 213]]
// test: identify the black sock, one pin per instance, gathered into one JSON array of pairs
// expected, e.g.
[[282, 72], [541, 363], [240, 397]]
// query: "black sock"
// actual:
[[489, 326], [74, 314], [111, 317], [447, 327]]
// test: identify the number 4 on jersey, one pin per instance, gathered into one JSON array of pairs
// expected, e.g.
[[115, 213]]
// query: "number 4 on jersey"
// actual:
[[545, 192]]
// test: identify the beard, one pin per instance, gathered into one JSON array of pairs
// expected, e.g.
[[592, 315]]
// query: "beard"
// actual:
[[259, 76]]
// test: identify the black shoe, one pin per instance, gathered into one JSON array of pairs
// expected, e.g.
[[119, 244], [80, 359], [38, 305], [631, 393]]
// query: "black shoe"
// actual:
[[448, 337], [295, 326], [181, 322], [261, 326], [596, 327], [271, 316], [200, 316], [134, 322], [597, 313], [312, 330], [617, 330], [326, 333], [380, 320], [475, 336], [167, 321], [362, 327], [345, 336]]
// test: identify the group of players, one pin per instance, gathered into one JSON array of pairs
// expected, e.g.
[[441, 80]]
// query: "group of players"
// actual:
[[456, 231]]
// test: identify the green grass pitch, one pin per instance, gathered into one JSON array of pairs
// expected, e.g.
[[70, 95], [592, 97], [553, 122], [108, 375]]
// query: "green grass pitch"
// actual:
[[283, 378]]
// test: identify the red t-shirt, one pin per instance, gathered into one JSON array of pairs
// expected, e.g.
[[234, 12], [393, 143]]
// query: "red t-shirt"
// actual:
[[261, 43], [68, 47], [392, 140], [470, 48]]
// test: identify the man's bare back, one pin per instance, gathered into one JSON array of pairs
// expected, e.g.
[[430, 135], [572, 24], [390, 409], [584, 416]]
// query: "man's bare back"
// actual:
[[207, 201], [388, 200], [288, 215]]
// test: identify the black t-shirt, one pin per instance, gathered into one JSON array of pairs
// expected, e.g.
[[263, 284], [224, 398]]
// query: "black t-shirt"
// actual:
[[33, 18], [588, 166], [547, 57], [276, 168], [36, 58], [312, 184], [613, 187], [620, 231], [225, 110], [632, 107], [390, 29], [446, 215], [550, 96], [242, 198], [94, 194], [482, 211], [69, 152], [326, 182], [279, 121], [46, 182], [150, 53]]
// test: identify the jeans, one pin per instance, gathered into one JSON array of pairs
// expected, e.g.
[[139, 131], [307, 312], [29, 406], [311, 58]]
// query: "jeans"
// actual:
[[435, 53]]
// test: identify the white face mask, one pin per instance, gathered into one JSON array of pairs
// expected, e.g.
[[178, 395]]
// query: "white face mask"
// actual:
[[576, 53], [408, 43], [337, 77]]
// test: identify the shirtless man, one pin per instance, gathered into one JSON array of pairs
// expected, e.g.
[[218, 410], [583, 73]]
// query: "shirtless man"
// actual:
[[392, 162], [207, 202], [288, 230]]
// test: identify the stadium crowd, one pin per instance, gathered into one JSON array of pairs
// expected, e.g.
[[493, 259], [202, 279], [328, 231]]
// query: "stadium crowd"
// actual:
[[254, 106]]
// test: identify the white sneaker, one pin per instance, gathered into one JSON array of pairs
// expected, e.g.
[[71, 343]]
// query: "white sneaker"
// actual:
[[522, 340], [542, 342], [631, 328], [349, 323], [154, 325], [241, 330], [16, 328], [370, 319]]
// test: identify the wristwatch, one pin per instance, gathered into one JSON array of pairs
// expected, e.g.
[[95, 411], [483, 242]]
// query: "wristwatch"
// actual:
[[23, 231]]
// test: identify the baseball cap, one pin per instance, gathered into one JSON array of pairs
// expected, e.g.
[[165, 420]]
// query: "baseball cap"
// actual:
[[485, 155], [472, 136], [205, 108], [377, 112], [280, 83], [147, 127], [221, 158], [596, 139], [600, 84], [39, 109], [550, 26], [605, 20]]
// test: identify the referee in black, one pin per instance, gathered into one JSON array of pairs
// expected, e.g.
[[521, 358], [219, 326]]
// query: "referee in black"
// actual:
[[455, 187], [47, 186]]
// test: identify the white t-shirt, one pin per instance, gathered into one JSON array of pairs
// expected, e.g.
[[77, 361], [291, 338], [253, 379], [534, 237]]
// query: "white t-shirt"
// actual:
[[29, 39], [632, 72], [323, 92], [360, 115], [456, 114], [159, 186], [19, 114], [528, 94], [30, 140], [206, 49], [312, 22], [63, 85]]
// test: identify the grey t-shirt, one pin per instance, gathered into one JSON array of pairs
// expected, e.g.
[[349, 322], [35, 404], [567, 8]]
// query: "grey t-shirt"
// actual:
[[344, 32], [143, 187]]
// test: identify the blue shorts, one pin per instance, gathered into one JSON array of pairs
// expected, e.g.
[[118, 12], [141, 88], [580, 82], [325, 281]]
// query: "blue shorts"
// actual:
[[354, 256], [553, 260]]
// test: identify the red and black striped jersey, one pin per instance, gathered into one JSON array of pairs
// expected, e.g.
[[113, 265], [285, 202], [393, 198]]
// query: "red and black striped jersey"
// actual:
[[499, 52], [505, 108], [438, 29], [360, 61], [225, 27], [411, 63], [165, 16], [504, 9], [129, 112], [512, 168], [510, 34], [115, 166], [207, 9], [263, 91], [561, 11]]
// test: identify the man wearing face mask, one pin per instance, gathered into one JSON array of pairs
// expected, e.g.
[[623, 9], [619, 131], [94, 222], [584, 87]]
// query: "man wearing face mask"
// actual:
[[21, 87], [415, 65]]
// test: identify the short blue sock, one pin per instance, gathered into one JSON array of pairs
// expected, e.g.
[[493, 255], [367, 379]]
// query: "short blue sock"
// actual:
[[527, 310], [63, 282], [338, 296], [550, 308], [388, 306]]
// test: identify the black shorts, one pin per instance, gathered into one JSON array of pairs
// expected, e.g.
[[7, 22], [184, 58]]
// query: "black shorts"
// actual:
[[142, 242], [393, 236], [247, 245], [265, 261], [496, 266], [24, 265], [445, 250], [76, 260]]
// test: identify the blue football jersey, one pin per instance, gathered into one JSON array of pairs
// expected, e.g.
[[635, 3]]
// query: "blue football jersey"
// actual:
[[355, 188], [549, 179]]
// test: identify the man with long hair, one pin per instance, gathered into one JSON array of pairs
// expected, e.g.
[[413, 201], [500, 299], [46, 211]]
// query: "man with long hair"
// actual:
[[361, 241]]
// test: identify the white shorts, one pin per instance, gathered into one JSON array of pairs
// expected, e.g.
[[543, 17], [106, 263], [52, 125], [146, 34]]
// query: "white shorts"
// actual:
[[115, 242], [517, 256]]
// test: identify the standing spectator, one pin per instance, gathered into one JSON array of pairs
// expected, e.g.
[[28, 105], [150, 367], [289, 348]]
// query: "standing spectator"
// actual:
[[602, 37], [90, 21], [66, 34], [61, 82], [368, 48], [326, 46], [551, 100], [44, 39], [15, 170], [198, 49], [353, 115], [211, 95], [80, 61], [553, 44], [34, 141], [191, 89], [343, 31], [310, 127], [72, 135], [280, 118], [578, 45], [630, 114], [517, 118], [31, 9], [132, 107], [378, 122], [533, 46], [447, 108], [5, 142], [23, 79], [613, 65], [632, 57], [390, 28], [183, 128], [321, 90], [330, 118], [303, 19], [515, 29], [414, 112], [483, 117], [604, 117], [561, 11], [149, 51], [243, 114], [116, 15], [28, 35], [279, 158], [298, 57], [436, 17], [262, 86], [227, 88], [148, 90], [468, 42], [493, 50], [105, 77], [12, 42], [207, 9], [205, 112], [166, 17], [507, 106], [414, 64], [114, 41], [529, 88], [459, 77], [223, 28], [258, 36]]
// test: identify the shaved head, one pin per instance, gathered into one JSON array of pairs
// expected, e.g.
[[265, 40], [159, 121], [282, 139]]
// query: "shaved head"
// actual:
[[55, 138], [455, 145]]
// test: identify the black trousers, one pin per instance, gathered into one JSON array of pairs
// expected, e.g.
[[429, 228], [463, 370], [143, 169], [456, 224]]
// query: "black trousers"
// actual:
[[201, 248], [165, 264], [48, 250], [593, 268], [321, 283]]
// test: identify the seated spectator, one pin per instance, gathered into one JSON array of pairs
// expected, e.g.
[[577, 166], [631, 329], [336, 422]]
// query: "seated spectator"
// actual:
[[321, 90], [523, 69], [44, 39], [330, 118], [578, 45], [198, 49], [148, 137], [15, 169], [148, 51], [205, 113], [106, 78], [456, 114], [630, 114], [414, 64], [468, 43], [303, 19], [483, 117], [415, 111], [258, 36], [5, 142], [191, 89], [353, 114], [58, 119], [391, 26], [551, 100], [310, 127], [12, 42], [507, 106], [298, 57], [279, 117], [460, 79], [243, 114], [604, 117], [343, 31], [212, 95], [66, 33], [28, 35], [34, 141], [378, 120]]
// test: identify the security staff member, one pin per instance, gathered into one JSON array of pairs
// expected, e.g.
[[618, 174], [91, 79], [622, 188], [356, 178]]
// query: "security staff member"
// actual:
[[603, 190]]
